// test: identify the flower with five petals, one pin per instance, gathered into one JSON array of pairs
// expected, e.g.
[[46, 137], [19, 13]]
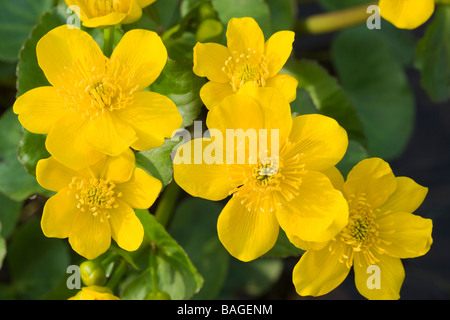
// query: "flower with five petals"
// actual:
[[246, 58], [381, 231], [96, 203], [268, 189], [97, 105]]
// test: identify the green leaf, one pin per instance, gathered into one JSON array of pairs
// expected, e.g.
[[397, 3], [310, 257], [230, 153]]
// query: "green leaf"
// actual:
[[201, 242], [256, 9], [378, 89], [433, 56], [176, 273], [328, 96], [158, 162], [283, 248], [31, 150], [15, 182], [342, 4], [355, 153], [17, 18], [9, 215], [179, 83], [283, 14], [37, 263]]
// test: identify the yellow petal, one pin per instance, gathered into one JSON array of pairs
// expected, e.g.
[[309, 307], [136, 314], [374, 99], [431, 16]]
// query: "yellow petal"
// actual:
[[275, 108], [134, 12], [209, 59], [111, 19], [145, 3], [212, 93], [59, 214], [318, 272], [141, 191], [372, 179], [153, 117], [278, 49], [246, 234], [109, 134], [391, 276], [320, 140], [407, 235], [236, 112], [90, 235], [59, 50], [52, 175], [317, 212], [406, 14], [142, 53], [208, 180], [336, 178], [39, 109], [407, 197], [286, 84], [119, 168], [67, 145], [243, 34], [126, 228]]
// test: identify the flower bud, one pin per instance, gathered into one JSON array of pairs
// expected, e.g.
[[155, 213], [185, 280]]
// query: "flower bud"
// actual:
[[209, 30], [92, 273], [157, 295]]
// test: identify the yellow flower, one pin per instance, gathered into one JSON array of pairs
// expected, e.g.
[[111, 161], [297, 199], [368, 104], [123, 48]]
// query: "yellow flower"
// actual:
[[94, 293], [286, 190], [96, 105], [247, 58], [100, 13], [406, 14], [94, 204], [381, 231]]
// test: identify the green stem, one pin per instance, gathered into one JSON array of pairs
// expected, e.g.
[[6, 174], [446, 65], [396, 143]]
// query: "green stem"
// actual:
[[334, 21], [117, 275], [108, 40], [167, 203], [153, 268]]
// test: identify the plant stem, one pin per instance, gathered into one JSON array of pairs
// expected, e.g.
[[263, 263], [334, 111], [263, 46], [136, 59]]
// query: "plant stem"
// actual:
[[117, 275], [153, 268], [108, 40], [334, 21], [167, 203]]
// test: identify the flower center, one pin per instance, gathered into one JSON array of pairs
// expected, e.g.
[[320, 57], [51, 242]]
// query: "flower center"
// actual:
[[92, 89], [94, 195], [270, 182], [245, 67], [361, 235], [98, 8]]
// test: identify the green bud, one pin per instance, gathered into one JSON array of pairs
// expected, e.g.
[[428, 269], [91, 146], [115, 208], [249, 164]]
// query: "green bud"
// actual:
[[157, 295], [92, 273], [206, 11], [209, 30]]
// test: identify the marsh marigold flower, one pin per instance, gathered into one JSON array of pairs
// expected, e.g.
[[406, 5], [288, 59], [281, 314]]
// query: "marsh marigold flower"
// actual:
[[406, 14], [101, 13], [381, 231], [96, 105], [94, 204], [285, 188], [94, 293], [247, 58]]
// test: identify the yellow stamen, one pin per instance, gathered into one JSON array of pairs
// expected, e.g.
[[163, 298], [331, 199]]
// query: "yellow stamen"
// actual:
[[245, 67], [94, 195]]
